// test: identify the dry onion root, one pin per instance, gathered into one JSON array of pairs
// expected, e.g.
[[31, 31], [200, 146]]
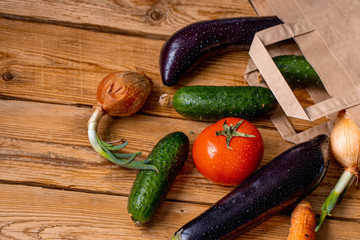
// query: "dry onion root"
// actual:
[[345, 145], [119, 94]]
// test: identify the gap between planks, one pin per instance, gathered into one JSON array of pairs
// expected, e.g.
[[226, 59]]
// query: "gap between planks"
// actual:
[[47, 144], [156, 19], [37, 213]]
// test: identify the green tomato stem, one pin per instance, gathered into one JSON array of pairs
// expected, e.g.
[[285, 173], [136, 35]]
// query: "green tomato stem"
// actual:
[[104, 149], [230, 131], [329, 204]]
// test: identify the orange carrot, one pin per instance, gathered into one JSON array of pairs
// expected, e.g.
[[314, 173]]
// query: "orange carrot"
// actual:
[[303, 222]]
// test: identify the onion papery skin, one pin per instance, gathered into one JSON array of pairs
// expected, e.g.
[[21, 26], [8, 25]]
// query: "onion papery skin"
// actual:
[[345, 143], [123, 93], [345, 146]]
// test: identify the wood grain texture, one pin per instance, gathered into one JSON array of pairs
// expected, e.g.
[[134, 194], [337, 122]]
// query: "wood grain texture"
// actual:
[[53, 185], [64, 65], [53, 140], [37, 213], [65, 126], [148, 18]]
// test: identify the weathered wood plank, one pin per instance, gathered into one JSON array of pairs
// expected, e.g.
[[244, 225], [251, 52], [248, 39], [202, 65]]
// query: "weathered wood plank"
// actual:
[[64, 65], [46, 144], [38, 213], [58, 124], [81, 169], [146, 18]]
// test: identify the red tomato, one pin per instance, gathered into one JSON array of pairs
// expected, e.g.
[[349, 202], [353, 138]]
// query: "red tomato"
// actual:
[[228, 165]]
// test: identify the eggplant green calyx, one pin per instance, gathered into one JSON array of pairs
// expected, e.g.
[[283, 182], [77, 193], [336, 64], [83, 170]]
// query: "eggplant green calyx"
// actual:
[[177, 235], [230, 131], [106, 149]]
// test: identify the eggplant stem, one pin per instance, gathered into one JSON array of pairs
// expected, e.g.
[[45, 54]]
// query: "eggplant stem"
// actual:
[[338, 191], [104, 148], [177, 235]]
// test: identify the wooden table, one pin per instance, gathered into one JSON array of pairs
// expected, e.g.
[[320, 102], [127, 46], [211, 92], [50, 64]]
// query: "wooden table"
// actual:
[[52, 183]]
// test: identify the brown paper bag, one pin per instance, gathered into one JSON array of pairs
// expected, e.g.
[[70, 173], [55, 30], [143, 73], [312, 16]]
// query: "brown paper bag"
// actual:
[[327, 33]]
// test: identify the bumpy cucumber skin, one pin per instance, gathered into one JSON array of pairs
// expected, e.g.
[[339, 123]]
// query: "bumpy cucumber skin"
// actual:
[[150, 187], [297, 71], [211, 103]]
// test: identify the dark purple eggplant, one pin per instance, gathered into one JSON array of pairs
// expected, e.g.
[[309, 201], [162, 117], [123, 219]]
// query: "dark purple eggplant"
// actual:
[[277, 186], [190, 44]]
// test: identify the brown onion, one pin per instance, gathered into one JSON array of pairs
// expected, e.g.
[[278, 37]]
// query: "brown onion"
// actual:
[[119, 94], [123, 93], [345, 146]]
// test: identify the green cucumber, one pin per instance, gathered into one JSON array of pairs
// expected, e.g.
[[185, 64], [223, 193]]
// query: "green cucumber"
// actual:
[[297, 71], [211, 103], [150, 187]]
